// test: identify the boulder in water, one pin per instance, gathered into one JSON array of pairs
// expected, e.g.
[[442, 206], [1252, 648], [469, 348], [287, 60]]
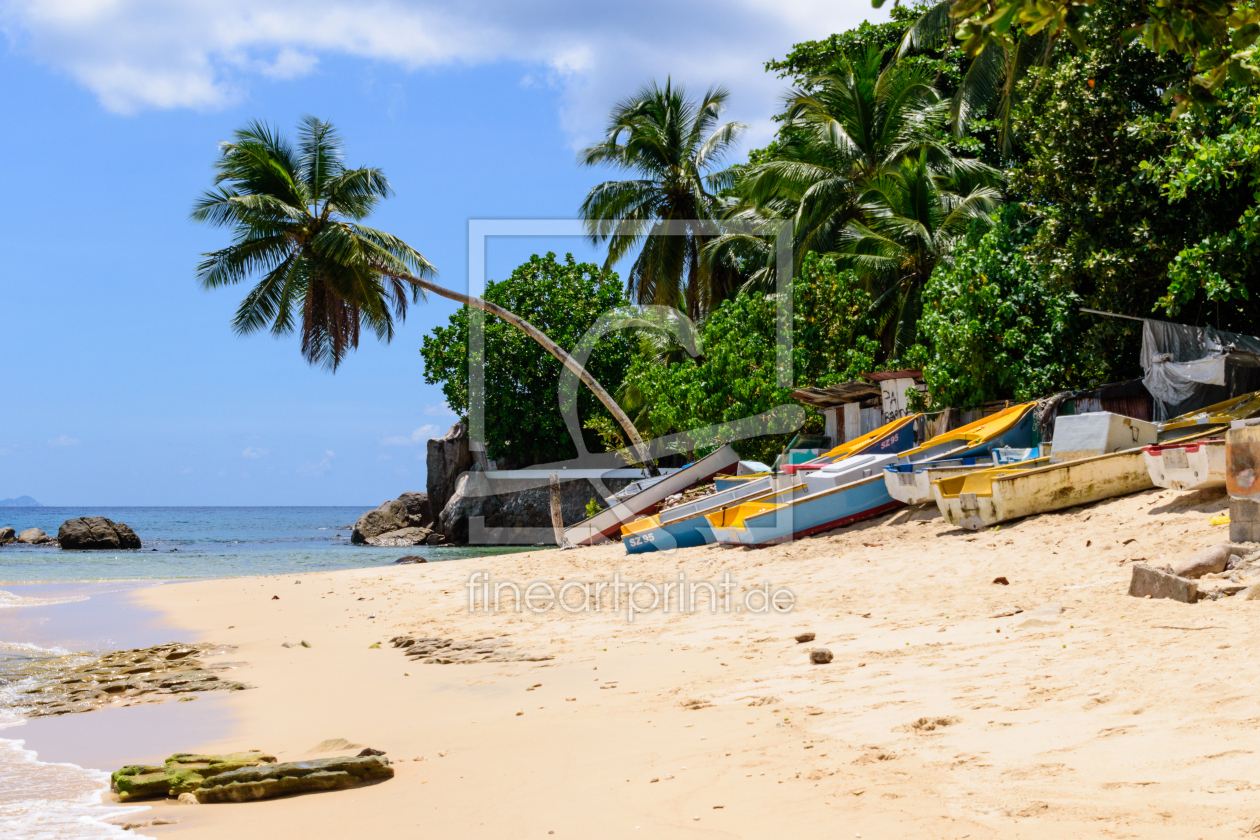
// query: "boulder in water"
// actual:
[[7, 536], [410, 510], [34, 536], [96, 533]]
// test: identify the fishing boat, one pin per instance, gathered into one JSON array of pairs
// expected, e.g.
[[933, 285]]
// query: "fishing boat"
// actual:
[[988, 497], [650, 493], [911, 483], [858, 492], [1197, 465], [686, 526]]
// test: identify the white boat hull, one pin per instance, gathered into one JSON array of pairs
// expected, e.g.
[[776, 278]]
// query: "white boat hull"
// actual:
[[1198, 465]]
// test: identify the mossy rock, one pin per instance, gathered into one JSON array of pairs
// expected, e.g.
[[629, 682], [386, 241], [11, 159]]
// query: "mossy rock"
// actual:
[[181, 773], [322, 774]]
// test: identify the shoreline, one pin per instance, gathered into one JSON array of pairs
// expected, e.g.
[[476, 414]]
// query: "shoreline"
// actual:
[[945, 713]]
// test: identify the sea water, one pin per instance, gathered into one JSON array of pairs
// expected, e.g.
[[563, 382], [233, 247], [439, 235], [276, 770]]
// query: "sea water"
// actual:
[[53, 800]]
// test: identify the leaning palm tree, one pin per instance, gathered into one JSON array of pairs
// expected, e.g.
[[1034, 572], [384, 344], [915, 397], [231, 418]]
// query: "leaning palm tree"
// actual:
[[297, 214], [912, 218], [675, 146]]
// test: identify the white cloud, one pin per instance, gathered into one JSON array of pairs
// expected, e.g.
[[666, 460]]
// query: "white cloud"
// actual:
[[318, 468], [64, 440], [440, 410], [420, 435], [254, 452], [204, 54]]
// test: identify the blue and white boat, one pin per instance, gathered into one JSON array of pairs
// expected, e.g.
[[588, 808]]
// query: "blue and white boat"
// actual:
[[805, 510], [686, 526]]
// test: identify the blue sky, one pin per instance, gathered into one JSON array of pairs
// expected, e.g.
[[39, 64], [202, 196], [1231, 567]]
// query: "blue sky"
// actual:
[[125, 383]]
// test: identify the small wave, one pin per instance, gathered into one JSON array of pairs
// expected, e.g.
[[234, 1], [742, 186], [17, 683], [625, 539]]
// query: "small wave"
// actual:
[[9, 600], [41, 801]]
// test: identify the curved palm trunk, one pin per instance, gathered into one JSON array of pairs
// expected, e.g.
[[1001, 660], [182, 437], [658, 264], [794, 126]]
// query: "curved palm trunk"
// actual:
[[636, 442]]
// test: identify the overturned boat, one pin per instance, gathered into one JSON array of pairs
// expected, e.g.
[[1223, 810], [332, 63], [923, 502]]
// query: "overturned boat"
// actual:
[[855, 489], [687, 525]]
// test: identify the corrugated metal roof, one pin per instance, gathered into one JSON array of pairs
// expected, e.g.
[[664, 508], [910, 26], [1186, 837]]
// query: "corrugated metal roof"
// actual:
[[845, 392], [880, 376]]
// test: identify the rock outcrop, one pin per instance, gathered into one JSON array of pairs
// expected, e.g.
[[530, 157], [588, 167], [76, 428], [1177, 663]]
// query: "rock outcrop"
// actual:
[[34, 536], [267, 781], [67, 684], [407, 536], [434, 651], [522, 504], [7, 536], [448, 458], [96, 533], [179, 774], [410, 510]]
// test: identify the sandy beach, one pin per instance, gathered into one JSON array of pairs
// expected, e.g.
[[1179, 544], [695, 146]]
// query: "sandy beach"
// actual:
[[944, 714]]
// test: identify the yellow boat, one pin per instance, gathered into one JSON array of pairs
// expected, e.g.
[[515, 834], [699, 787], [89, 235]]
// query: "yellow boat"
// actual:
[[686, 526], [988, 497], [853, 489]]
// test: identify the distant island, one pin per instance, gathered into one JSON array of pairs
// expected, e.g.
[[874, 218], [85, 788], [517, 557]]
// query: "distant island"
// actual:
[[20, 501]]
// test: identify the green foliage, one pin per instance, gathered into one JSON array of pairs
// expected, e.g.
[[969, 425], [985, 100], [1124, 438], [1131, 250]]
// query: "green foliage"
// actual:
[[1211, 174], [296, 218], [1219, 35], [995, 325], [592, 507], [736, 376], [564, 299]]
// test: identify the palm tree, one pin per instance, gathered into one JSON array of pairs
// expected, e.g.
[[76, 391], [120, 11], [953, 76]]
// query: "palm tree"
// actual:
[[846, 129], [674, 145], [296, 215], [999, 61], [912, 217]]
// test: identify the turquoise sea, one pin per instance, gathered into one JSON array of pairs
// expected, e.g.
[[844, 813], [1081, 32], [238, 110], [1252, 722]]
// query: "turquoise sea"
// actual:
[[207, 542], [54, 602]]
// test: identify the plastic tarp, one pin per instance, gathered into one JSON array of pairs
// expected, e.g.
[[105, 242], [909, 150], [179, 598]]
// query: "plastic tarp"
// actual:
[[1187, 367]]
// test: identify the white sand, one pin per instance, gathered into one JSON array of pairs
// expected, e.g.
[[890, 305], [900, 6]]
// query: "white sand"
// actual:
[[1119, 718]]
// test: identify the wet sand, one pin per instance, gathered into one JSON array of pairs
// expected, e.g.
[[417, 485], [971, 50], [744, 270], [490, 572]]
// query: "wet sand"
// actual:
[[947, 713]]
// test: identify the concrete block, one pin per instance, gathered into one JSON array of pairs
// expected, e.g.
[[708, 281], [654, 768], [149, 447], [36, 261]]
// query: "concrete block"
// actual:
[[1152, 583]]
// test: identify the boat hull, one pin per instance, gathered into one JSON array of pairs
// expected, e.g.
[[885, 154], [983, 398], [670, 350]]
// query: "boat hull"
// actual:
[[809, 515], [688, 526], [1198, 465], [1020, 493]]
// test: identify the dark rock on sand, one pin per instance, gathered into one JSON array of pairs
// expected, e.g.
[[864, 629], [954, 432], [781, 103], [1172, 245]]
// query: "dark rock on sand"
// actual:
[[34, 536], [271, 780], [820, 656], [802, 638], [67, 685], [181, 773], [434, 651], [96, 533], [7, 536]]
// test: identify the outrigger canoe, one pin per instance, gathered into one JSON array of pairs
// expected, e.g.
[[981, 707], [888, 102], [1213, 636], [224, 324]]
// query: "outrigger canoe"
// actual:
[[600, 527], [686, 526], [1197, 465], [804, 510], [989, 497]]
